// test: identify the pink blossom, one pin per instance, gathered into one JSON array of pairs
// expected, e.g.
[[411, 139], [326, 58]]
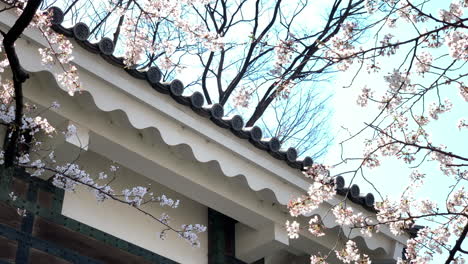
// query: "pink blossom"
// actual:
[[455, 13], [135, 195], [457, 43], [351, 254], [438, 108], [366, 93], [398, 81], [70, 80], [242, 97], [423, 62], [316, 228], [283, 51], [293, 229], [317, 260], [388, 48]]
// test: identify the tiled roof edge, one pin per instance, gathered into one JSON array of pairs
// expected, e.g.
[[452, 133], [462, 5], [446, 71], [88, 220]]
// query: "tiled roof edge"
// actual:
[[215, 112]]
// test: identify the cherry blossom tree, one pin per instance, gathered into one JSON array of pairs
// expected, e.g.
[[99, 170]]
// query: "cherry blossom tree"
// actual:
[[278, 55], [427, 44]]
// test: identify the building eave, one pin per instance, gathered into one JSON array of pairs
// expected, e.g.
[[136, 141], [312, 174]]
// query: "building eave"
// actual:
[[200, 137]]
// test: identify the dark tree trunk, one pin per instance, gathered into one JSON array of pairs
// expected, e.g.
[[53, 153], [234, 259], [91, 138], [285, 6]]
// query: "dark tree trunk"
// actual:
[[19, 76]]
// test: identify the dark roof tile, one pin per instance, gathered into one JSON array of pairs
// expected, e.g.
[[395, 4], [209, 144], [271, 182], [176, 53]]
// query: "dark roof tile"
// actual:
[[81, 31]]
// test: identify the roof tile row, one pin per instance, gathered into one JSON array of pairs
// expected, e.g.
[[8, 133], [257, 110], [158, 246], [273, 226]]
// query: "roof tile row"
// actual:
[[215, 112]]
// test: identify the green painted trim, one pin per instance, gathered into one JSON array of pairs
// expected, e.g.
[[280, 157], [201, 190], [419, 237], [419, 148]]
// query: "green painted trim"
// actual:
[[45, 246], [5, 182], [57, 201], [41, 184], [216, 238], [221, 230], [84, 229], [27, 223], [54, 215], [219, 225]]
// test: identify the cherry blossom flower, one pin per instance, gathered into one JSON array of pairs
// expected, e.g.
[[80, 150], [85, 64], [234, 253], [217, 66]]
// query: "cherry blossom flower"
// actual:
[[316, 228], [283, 51], [435, 109], [388, 48], [364, 96], [113, 168], [55, 105], [70, 80], [317, 260], [293, 229], [457, 43], [71, 131], [351, 254], [341, 49], [398, 81], [370, 6], [243, 96], [190, 233], [453, 14], [165, 201], [21, 212], [423, 63], [135, 196], [12, 196]]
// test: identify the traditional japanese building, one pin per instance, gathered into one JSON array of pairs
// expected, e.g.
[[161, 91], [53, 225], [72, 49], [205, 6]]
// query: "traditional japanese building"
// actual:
[[225, 175]]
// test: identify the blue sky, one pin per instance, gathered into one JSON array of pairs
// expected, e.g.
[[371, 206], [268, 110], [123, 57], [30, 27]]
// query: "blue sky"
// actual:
[[391, 177], [347, 114]]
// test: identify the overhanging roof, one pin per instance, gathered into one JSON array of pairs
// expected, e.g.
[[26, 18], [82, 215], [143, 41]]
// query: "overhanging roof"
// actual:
[[195, 101]]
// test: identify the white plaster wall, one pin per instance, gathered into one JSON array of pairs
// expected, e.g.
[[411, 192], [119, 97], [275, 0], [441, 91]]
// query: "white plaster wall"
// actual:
[[126, 223]]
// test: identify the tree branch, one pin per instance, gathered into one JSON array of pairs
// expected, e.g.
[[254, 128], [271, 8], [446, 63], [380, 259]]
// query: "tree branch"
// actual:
[[19, 74], [457, 246]]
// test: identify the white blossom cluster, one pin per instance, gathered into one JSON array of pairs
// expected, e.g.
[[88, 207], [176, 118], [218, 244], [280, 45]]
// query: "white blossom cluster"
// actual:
[[135, 196], [283, 52], [321, 190], [59, 51], [293, 229], [136, 38], [190, 233], [350, 254], [341, 48], [401, 133]]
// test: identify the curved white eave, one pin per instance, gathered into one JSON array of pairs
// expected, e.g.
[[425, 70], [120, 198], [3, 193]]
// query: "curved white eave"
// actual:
[[250, 178], [111, 88], [173, 134], [250, 175]]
